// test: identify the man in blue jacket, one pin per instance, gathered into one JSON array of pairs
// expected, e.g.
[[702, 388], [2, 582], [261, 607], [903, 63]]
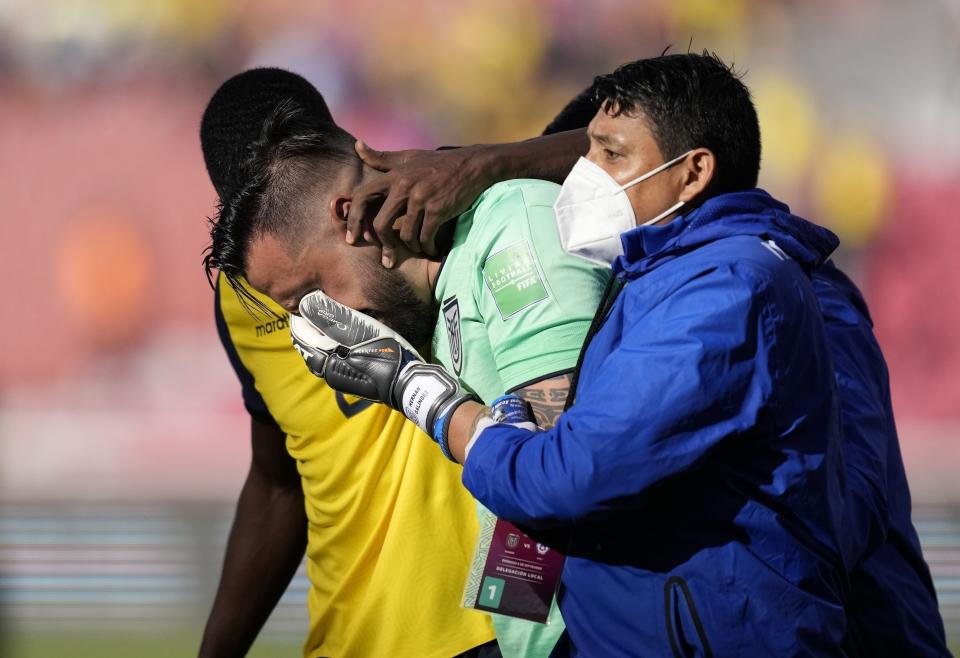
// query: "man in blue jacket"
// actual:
[[699, 468], [892, 605]]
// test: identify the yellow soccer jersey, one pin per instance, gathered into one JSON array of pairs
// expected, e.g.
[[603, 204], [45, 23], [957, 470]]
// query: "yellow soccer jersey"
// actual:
[[391, 530]]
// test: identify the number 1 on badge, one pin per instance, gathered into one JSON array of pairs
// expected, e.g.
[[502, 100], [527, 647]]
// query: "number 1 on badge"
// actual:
[[492, 591]]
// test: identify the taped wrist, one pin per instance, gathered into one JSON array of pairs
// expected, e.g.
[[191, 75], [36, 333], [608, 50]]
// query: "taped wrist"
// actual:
[[507, 409], [511, 409]]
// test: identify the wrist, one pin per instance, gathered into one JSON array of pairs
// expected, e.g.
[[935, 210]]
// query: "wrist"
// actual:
[[463, 427], [443, 425], [548, 157], [490, 163]]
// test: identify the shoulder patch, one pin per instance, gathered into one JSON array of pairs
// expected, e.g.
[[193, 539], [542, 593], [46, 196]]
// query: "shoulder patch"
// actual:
[[451, 318], [513, 279]]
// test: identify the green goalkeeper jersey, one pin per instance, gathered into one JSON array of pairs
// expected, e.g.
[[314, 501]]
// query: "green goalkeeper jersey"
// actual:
[[515, 309]]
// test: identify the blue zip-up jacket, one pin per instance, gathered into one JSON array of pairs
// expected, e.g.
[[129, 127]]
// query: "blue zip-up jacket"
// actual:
[[892, 608], [700, 469]]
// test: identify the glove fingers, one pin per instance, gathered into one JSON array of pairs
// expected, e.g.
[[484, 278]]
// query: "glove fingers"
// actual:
[[343, 324], [306, 333]]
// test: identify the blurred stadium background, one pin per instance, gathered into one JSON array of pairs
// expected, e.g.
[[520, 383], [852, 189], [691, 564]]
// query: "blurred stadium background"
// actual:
[[123, 442]]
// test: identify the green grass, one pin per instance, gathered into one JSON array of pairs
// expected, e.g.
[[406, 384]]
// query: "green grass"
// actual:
[[21, 644]]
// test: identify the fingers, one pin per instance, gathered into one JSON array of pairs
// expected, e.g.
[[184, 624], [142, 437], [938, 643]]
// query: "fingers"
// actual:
[[409, 231], [315, 360], [432, 220], [372, 157], [312, 345], [393, 208], [403, 222], [404, 200], [388, 256], [409, 227], [367, 197], [339, 325], [304, 332], [382, 160]]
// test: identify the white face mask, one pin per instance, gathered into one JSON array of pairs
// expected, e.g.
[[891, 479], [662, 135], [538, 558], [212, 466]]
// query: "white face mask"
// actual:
[[592, 211]]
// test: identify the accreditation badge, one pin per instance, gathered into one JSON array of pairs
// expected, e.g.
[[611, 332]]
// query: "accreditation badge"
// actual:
[[512, 574]]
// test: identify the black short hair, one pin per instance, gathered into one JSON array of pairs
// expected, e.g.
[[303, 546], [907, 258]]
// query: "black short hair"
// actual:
[[234, 118], [284, 142], [690, 100], [578, 113]]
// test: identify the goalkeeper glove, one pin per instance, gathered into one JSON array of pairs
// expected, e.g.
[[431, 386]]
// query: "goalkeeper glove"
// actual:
[[356, 354]]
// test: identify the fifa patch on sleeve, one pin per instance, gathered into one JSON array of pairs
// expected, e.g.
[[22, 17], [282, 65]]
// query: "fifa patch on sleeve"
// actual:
[[513, 279]]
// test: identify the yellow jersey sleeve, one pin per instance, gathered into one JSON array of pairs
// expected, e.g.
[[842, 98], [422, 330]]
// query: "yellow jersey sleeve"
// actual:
[[391, 530]]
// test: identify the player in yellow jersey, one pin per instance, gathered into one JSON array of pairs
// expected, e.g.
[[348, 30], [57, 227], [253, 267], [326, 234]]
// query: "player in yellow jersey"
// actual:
[[516, 307], [347, 481]]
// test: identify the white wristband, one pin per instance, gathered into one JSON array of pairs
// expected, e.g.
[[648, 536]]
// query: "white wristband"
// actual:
[[420, 396]]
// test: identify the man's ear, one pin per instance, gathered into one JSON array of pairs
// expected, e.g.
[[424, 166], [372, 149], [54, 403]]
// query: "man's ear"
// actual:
[[339, 208], [698, 170]]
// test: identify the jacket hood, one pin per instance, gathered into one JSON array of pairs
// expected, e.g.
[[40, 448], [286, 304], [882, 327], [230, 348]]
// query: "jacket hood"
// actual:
[[750, 212]]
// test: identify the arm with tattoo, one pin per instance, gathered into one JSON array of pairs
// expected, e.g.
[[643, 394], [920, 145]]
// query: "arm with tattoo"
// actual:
[[547, 397]]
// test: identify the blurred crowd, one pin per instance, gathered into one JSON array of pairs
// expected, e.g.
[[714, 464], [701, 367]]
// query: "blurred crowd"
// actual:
[[113, 385], [109, 339]]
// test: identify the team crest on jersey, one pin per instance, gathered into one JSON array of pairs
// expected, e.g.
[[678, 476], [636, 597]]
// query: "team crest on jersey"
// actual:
[[451, 318]]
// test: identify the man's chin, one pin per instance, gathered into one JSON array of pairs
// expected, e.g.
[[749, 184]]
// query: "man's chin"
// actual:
[[394, 303], [413, 329]]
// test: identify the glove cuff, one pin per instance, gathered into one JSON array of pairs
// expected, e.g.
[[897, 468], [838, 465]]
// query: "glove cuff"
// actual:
[[422, 391]]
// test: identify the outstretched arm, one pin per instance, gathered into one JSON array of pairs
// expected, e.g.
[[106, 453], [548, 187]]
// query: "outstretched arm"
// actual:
[[694, 373], [422, 189], [544, 400]]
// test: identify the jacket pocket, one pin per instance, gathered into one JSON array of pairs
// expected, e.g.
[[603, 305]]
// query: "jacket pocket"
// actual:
[[683, 624]]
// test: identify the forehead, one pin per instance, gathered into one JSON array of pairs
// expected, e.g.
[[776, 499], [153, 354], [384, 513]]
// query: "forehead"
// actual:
[[274, 267], [624, 129]]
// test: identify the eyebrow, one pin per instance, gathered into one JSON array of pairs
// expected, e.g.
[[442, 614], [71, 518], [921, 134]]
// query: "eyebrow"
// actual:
[[606, 140]]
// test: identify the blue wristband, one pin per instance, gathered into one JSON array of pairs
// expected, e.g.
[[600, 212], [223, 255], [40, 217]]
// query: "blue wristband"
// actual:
[[441, 426], [441, 430], [511, 409]]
